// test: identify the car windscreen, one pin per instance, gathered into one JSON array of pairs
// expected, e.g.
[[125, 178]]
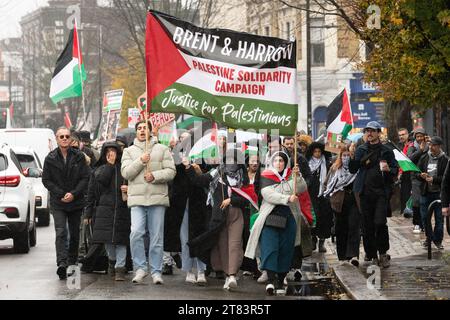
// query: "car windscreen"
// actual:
[[3, 163], [26, 161]]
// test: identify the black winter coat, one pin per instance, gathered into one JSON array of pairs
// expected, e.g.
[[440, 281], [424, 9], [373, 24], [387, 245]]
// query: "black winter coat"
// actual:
[[105, 206], [423, 165], [181, 190], [60, 178], [202, 245]]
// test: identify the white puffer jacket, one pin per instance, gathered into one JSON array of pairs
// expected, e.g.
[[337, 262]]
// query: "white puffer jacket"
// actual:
[[162, 166]]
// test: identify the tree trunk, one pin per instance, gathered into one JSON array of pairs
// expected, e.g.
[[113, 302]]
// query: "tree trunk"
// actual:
[[397, 115]]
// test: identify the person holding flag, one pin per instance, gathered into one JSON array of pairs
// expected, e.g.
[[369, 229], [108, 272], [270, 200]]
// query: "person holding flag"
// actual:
[[277, 229], [376, 170], [148, 166]]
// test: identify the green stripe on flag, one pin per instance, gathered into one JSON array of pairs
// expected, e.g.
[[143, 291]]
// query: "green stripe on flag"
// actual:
[[234, 112], [208, 153], [75, 90], [347, 129], [188, 122], [408, 166]]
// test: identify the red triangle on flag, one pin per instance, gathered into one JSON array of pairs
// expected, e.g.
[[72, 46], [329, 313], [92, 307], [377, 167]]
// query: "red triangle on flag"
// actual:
[[76, 52], [346, 115], [163, 61]]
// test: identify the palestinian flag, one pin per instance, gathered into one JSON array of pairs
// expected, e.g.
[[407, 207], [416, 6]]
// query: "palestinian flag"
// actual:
[[249, 150], [340, 118], [239, 80], [269, 177], [206, 147], [248, 192], [403, 161], [69, 71]]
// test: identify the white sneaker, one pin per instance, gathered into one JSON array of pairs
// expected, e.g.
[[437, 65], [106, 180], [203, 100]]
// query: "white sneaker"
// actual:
[[270, 289], [280, 292], [233, 282], [263, 278], [201, 279], [226, 286], [416, 229], [157, 278], [190, 277], [140, 275]]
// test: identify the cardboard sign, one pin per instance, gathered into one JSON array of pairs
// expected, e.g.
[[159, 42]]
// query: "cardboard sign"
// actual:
[[160, 119], [334, 142], [133, 117], [112, 100]]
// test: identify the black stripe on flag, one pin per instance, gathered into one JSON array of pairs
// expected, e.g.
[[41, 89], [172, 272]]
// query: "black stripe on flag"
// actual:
[[335, 108], [66, 56], [170, 23]]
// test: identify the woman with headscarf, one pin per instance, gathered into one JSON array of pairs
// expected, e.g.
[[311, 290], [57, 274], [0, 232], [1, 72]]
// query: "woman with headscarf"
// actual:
[[318, 163], [229, 193], [277, 230], [339, 189], [108, 210]]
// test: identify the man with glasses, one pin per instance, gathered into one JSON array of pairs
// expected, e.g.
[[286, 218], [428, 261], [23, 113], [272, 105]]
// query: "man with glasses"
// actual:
[[376, 167], [66, 176]]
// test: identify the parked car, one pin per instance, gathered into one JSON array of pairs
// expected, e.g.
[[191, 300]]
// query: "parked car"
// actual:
[[17, 201], [29, 159], [41, 140]]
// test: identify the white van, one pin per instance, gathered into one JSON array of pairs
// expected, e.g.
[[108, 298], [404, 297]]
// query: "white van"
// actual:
[[42, 141]]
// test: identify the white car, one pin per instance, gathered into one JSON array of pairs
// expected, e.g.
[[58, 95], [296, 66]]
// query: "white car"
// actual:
[[17, 201], [29, 159]]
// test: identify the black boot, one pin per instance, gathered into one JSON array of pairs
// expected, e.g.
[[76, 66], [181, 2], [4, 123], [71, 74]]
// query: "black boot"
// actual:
[[167, 270], [112, 268], [321, 246]]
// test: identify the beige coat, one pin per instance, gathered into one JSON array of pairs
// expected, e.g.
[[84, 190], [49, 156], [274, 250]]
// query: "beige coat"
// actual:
[[162, 166], [273, 195]]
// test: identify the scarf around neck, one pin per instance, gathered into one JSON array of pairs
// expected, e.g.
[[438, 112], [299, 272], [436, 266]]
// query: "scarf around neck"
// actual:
[[319, 164], [340, 179]]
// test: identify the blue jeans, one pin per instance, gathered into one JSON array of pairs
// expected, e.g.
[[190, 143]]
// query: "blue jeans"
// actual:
[[151, 217], [438, 232], [117, 253], [187, 262]]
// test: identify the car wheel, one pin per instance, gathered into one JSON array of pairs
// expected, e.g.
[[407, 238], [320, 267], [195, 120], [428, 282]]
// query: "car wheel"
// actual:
[[22, 241], [43, 218], [33, 236]]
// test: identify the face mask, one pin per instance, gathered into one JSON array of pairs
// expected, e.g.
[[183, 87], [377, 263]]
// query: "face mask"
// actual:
[[345, 161]]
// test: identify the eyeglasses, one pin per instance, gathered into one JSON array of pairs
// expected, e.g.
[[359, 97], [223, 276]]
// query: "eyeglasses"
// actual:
[[64, 136]]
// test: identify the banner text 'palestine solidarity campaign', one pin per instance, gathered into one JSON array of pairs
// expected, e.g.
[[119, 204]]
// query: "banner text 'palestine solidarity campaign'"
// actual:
[[237, 79]]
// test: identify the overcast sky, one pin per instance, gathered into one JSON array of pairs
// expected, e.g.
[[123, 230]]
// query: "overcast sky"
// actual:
[[11, 11]]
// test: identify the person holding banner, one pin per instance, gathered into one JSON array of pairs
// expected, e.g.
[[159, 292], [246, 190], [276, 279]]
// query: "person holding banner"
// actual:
[[148, 166], [277, 229]]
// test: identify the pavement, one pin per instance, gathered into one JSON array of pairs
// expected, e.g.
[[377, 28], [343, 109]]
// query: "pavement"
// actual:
[[411, 275]]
